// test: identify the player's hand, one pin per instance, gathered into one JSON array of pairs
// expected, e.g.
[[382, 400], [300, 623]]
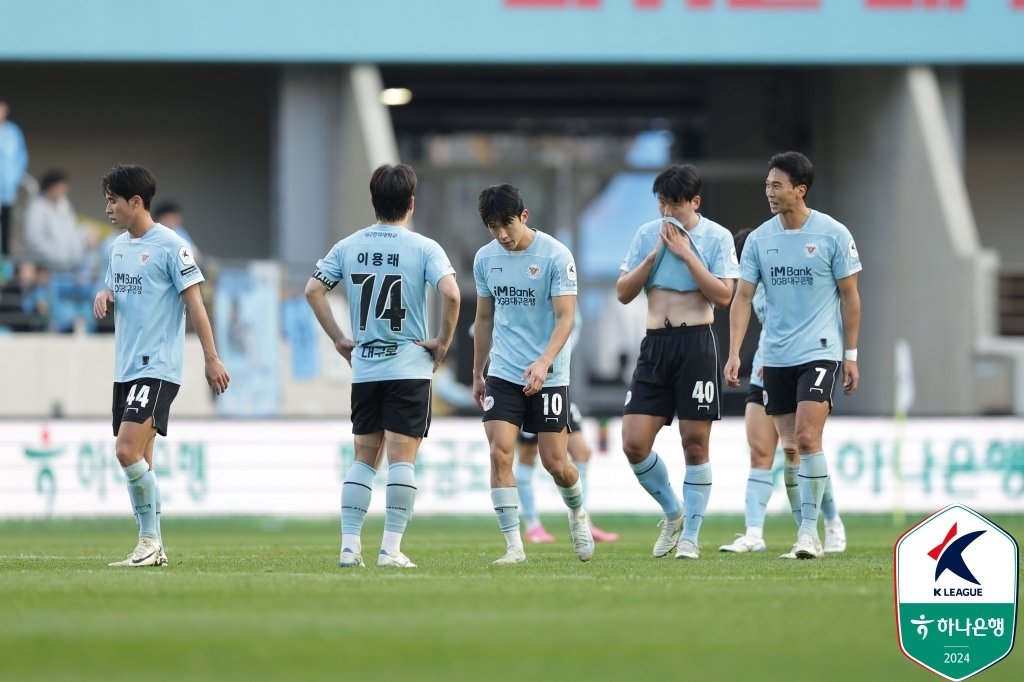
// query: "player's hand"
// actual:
[[535, 376], [436, 349], [479, 390], [345, 346], [104, 299], [676, 241], [732, 372], [217, 375], [851, 376]]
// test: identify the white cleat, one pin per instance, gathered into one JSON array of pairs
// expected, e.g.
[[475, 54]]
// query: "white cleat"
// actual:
[[743, 544], [835, 536], [582, 539], [162, 560], [791, 554], [514, 555], [669, 537], [147, 553], [808, 547], [687, 549], [350, 559], [394, 560]]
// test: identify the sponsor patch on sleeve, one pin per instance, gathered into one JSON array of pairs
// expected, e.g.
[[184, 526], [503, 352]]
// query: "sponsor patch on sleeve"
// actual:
[[570, 272], [190, 270]]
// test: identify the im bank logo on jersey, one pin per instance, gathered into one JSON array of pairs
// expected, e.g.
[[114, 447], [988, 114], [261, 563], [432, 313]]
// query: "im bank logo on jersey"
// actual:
[[956, 576]]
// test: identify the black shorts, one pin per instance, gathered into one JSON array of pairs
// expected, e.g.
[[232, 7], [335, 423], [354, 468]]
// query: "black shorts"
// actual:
[[138, 400], [756, 395], [545, 412], [787, 386], [575, 424], [396, 405], [677, 374]]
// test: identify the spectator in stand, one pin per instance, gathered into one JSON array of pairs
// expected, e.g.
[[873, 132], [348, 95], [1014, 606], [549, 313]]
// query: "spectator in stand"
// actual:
[[23, 300], [13, 164], [52, 234], [168, 214]]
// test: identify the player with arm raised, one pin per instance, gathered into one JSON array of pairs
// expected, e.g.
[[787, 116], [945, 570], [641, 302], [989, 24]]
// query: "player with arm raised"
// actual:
[[687, 265]]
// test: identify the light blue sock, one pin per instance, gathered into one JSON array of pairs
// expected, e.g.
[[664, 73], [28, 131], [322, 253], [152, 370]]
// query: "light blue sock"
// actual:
[[506, 507], [759, 491], [356, 492], [793, 491], [828, 502], [696, 491], [156, 487], [524, 482], [399, 501], [812, 479], [573, 495], [142, 490], [653, 476], [582, 468], [400, 496]]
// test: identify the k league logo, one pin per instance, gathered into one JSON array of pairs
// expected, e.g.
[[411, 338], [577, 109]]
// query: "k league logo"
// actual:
[[956, 592]]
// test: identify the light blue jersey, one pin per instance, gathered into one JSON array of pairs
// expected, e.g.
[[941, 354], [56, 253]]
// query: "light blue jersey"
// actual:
[[799, 270], [760, 306], [147, 276], [712, 242], [386, 270], [522, 284]]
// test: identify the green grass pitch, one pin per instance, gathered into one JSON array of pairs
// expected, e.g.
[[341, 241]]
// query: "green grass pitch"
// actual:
[[262, 599]]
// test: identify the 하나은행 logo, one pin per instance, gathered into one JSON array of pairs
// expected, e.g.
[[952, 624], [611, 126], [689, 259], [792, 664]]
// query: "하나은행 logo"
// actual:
[[955, 580]]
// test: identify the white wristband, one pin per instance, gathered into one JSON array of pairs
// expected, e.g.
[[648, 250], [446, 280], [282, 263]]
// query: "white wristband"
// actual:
[[850, 354]]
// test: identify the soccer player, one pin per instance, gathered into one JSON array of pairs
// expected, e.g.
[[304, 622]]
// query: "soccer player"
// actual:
[[763, 440], [386, 269], [579, 451], [151, 280], [808, 265], [526, 301], [687, 265]]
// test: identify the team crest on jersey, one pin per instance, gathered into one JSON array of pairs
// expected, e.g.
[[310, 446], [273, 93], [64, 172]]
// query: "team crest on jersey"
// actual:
[[533, 271], [144, 258], [810, 249], [853, 250]]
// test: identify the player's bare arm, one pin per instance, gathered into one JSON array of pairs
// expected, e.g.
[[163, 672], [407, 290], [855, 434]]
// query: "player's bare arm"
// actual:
[[739, 320], [630, 284], [316, 296], [101, 304], [715, 289], [537, 373], [216, 374], [849, 308], [450, 302], [483, 328]]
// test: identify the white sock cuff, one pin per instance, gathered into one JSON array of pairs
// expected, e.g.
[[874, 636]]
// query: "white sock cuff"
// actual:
[[134, 472]]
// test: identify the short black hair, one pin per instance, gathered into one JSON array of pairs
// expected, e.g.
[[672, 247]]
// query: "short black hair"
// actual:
[[797, 166], [127, 181], [51, 178], [165, 207], [678, 183], [740, 238], [499, 205], [391, 189]]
